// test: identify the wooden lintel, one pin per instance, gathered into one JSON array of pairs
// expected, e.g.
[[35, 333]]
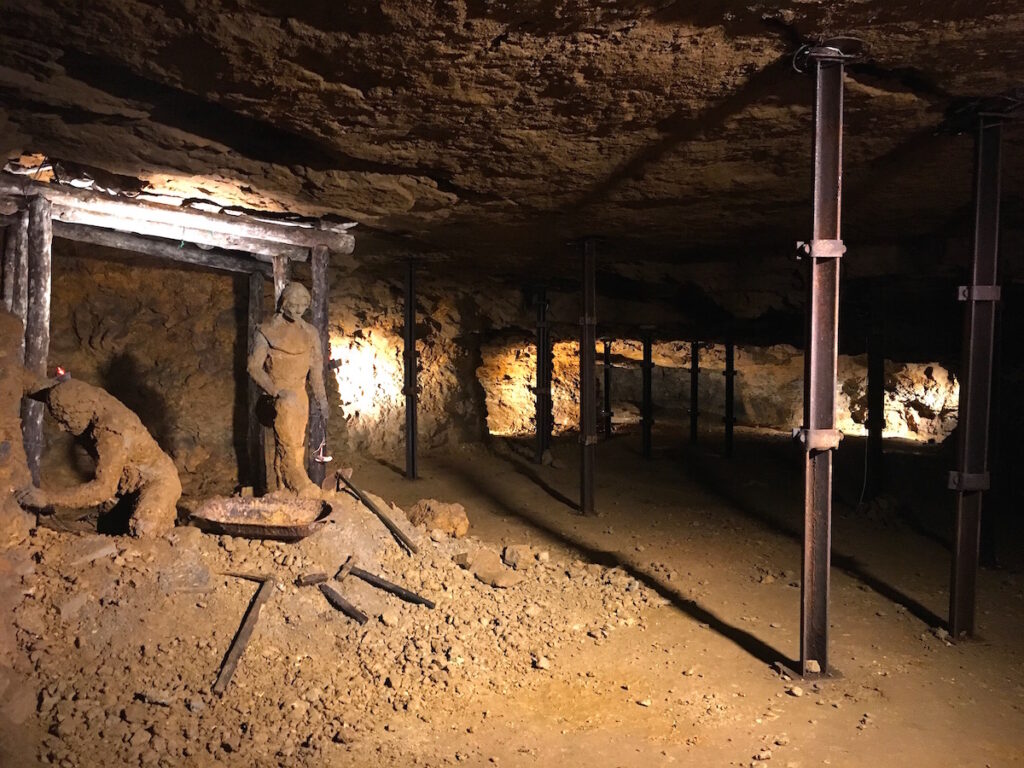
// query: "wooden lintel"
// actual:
[[145, 218], [161, 249], [261, 249]]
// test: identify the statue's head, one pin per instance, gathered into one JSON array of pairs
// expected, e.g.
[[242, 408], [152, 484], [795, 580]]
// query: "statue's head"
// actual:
[[294, 301], [73, 404]]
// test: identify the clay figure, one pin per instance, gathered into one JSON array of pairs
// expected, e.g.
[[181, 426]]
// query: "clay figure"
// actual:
[[286, 353], [128, 459]]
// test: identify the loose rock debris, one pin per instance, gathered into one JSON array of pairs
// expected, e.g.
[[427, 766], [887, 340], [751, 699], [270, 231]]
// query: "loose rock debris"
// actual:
[[128, 673]]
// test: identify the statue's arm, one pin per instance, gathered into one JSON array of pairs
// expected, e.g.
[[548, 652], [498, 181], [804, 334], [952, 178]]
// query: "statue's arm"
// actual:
[[110, 462], [316, 372], [258, 358]]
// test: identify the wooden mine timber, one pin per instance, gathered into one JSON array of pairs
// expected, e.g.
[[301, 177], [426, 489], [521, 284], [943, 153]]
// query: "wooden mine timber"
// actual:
[[37, 323], [15, 291], [317, 431], [255, 436], [243, 233], [161, 249]]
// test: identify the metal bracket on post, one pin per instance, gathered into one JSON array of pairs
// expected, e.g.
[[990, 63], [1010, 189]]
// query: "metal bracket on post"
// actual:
[[818, 439], [968, 482], [821, 249], [978, 293]]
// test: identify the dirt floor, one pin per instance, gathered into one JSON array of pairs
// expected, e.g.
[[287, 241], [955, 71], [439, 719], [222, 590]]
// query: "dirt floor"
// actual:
[[646, 636]]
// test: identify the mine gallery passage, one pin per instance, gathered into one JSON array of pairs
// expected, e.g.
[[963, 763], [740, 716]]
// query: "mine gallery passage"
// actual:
[[492, 383]]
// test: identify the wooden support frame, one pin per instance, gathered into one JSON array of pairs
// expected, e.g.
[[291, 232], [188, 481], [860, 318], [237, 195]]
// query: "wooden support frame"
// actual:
[[15, 271], [242, 233], [317, 426], [255, 431], [161, 249], [37, 323], [33, 212]]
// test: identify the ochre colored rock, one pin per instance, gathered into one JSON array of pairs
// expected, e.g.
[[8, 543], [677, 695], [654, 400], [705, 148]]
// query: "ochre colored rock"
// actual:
[[439, 515]]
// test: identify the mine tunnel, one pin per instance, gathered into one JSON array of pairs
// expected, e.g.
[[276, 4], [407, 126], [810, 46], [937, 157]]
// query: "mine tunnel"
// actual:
[[490, 383]]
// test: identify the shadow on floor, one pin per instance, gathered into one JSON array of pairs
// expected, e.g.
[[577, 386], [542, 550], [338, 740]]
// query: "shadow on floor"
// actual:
[[744, 640], [708, 473]]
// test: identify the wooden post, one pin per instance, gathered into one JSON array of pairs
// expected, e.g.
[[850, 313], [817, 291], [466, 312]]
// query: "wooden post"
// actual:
[[317, 427], [257, 465], [37, 326], [282, 271], [15, 292]]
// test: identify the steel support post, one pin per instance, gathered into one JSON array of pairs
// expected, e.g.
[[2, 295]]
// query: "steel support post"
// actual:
[[647, 407], [606, 412], [875, 469], [588, 381], [316, 438], [694, 389], [411, 386], [543, 390], [37, 324], [819, 435], [730, 405], [971, 478]]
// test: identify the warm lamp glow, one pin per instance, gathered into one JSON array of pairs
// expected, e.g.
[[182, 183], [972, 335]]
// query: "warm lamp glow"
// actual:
[[369, 374]]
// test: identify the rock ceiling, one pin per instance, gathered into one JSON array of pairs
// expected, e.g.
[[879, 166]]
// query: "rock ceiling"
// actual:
[[500, 128]]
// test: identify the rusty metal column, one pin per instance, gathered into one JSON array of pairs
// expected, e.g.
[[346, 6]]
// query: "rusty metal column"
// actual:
[[694, 388], [37, 324], [647, 407], [730, 405], [971, 477], [876, 410], [588, 382], [543, 391], [411, 384], [606, 412], [819, 435]]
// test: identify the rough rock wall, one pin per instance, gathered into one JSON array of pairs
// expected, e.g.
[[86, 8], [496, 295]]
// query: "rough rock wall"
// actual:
[[366, 341], [170, 344], [920, 399], [167, 343]]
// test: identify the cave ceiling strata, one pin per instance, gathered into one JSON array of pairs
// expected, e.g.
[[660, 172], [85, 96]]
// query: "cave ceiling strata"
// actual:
[[506, 128]]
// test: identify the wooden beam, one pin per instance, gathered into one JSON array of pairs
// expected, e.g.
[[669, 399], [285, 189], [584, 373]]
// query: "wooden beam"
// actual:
[[257, 461], [161, 249], [37, 326], [282, 272], [317, 429], [261, 249], [79, 206]]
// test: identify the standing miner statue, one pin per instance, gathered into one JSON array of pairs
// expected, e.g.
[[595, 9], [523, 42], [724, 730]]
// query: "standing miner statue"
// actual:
[[286, 353]]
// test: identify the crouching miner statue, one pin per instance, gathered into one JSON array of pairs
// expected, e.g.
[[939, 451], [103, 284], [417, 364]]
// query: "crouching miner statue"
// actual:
[[128, 460], [286, 352]]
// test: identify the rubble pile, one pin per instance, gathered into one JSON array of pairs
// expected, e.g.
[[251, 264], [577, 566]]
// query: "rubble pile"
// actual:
[[122, 639]]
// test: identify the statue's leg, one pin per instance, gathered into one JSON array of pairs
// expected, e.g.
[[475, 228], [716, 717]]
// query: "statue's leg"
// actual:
[[156, 509], [290, 443]]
